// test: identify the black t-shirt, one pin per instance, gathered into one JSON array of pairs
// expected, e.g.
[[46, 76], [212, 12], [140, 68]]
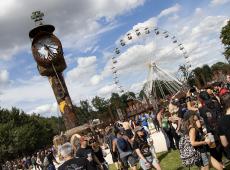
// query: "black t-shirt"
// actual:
[[142, 144], [76, 163], [180, 112], [50, 157], [84, 152], [99, 155], [129, 133], [224, 127], [210, 118]]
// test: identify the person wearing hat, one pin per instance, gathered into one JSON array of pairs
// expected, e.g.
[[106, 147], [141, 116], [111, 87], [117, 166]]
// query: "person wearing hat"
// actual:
[[66, 151], [142, 147]]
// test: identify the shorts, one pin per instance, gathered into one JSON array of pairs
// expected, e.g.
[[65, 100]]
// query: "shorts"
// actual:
[[205, 158], [151, 159], [130, 160]]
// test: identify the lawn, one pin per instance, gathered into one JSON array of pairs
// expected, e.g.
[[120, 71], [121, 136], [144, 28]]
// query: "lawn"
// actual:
[[170, 161]]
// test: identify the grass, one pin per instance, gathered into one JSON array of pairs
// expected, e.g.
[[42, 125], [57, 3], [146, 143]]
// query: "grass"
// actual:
[[170, 161]]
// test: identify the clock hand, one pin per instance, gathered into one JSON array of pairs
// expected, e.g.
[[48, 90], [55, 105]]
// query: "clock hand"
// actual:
[[49, 52], [51, 47]]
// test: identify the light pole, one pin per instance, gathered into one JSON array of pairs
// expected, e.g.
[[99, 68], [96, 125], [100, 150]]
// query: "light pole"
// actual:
[[48, 53]]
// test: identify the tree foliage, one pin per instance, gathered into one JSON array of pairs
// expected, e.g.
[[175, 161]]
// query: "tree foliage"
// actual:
[[200, 76], [22, 134], [225, 38]]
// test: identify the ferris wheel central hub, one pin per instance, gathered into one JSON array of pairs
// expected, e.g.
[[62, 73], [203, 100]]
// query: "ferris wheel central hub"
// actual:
[[153, 64]]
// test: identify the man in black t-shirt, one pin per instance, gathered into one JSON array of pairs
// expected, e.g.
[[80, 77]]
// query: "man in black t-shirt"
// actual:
[[224, 124], [210, 112], [85, 151], [72, 163]]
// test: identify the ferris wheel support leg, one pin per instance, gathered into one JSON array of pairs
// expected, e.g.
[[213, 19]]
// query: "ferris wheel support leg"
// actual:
[[170, 76]]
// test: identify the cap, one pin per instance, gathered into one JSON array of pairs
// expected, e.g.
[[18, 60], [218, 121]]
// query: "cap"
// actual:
[[138, 128]]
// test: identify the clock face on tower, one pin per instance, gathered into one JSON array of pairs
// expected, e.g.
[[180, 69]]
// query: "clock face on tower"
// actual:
[[46, 49]]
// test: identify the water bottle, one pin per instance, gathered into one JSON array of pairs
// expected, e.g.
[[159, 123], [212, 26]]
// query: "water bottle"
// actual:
[[211, 137]]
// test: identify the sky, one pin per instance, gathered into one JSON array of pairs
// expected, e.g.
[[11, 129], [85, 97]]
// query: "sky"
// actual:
[[90, 30]]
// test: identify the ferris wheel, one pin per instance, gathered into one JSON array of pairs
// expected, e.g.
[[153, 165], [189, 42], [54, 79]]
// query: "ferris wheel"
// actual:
[[150, 60]]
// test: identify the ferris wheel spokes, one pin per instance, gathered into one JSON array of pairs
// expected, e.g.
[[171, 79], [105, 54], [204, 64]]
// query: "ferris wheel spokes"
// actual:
[[160, 82]]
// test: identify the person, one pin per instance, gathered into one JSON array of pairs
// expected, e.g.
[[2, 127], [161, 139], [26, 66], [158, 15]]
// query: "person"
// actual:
[[98, 153], [70, 163], [144, 151], [124, 149], [128, 130], [224, 124], [228, 82], [192, 127], [220, 89], [85, 151], [39, 161], [144, 123], [75, 141], [155, 122], [167, 129], [33, 161], [49, 159], [28, 162], [211, 112], [109, 140]]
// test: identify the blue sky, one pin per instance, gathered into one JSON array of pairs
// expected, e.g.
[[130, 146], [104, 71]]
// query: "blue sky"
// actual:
[[89, 31]]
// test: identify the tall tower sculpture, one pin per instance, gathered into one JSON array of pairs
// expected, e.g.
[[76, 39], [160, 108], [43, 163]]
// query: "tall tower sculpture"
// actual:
[[48, 53]]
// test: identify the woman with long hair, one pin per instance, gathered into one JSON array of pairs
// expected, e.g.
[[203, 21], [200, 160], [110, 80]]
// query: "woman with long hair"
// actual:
[[193, 129]]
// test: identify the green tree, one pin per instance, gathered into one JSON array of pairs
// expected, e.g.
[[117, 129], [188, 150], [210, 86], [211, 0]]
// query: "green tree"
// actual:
[[225, 38], [207, 73], [23, 134]]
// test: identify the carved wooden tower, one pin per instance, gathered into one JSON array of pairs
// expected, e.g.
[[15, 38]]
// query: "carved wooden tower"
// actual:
[[48, 53]]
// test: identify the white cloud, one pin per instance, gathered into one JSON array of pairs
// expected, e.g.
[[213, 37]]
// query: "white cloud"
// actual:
[[198, 11], [26, 92], [208, 26], [46, 110], [86, 67], [4, 76], [219, 2], [169, 11], [107, 90], [77, 22], [95, 79], [5, 6]]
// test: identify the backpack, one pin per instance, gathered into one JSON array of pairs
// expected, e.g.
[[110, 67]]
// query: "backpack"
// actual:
[[188, 154], [122, 144]]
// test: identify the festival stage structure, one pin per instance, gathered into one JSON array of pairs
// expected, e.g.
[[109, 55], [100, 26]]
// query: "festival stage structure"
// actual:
[[48, 53]]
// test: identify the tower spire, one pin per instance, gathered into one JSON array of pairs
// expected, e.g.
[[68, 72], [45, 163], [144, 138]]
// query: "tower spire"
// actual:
[[37, 16]]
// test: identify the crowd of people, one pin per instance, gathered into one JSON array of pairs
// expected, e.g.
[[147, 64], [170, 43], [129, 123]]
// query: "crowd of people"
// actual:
[[43, 159], [198, 125]]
